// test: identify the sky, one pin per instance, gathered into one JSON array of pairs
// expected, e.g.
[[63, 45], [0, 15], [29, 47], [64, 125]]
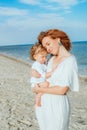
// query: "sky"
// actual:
[[22, 20]]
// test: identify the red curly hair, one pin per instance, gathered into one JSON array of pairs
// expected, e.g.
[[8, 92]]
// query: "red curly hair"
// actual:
[[55, 33]]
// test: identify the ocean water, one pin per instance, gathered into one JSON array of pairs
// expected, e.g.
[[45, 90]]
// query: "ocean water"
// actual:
[[79, 49]]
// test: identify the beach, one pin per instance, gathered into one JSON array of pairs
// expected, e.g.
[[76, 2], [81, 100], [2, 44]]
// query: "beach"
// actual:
[[17, 99]]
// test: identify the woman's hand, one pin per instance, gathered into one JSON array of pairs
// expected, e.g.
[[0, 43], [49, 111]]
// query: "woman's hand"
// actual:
[[36, 89], [35, 74], [44, 84]]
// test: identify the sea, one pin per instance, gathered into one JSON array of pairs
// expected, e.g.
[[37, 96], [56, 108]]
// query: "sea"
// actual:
[[79, 49]]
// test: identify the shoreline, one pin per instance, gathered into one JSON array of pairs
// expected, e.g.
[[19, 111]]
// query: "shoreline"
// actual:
[[81, 76], [16, 59], [17, 99]]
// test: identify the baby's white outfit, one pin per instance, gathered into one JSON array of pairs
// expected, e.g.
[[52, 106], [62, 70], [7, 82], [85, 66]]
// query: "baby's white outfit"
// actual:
[[41, 69]]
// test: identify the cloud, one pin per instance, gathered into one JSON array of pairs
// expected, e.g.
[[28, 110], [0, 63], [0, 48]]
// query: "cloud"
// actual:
[[31, 2], [22, 26], [64, 3], [25, 28], [52, 5], [5, 11], [33, 21]]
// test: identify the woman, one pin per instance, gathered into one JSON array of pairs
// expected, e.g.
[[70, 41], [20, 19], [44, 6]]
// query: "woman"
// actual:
[[55, 110]]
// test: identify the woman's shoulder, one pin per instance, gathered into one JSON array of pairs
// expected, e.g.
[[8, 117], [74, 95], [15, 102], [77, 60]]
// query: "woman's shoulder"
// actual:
[[71, 62], [73, 59]]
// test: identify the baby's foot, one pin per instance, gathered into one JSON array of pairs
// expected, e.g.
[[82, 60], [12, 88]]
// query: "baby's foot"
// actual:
[[39, 104]]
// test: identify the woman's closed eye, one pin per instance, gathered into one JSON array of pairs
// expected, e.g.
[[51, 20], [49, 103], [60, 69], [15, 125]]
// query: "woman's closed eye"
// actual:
[[47, 44]]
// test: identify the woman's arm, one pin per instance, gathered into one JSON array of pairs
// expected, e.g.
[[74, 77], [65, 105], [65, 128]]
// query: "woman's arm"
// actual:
[[57, 90]]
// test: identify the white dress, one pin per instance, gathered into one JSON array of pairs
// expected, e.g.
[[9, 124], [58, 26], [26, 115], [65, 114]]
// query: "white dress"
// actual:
[[55, 110]]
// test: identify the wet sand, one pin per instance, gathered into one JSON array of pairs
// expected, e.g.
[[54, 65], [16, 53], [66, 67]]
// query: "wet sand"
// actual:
[[17, 99]]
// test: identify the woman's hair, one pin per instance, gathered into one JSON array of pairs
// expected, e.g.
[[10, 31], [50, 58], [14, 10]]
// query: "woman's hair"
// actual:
[[35, 49], [55, 33]]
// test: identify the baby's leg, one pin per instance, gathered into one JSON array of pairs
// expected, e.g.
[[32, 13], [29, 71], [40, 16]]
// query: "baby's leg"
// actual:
[[38, 99], [38, 96]]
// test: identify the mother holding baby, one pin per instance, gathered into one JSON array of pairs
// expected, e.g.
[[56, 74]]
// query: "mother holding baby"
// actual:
[[55, 110]]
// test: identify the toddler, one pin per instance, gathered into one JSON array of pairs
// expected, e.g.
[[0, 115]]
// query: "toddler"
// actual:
[[38, 53]]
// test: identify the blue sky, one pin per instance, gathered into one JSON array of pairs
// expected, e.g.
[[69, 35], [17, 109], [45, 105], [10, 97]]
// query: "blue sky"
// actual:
[[22, 20]]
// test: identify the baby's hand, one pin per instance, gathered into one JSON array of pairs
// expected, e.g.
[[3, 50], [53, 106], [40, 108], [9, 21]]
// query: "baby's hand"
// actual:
[[36, 89], [35, 74]]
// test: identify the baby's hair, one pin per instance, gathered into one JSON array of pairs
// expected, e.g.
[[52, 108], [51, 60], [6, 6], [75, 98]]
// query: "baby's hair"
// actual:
[[35, 49]]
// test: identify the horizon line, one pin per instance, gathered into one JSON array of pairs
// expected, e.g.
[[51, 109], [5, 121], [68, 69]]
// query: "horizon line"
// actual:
[[32, 43]]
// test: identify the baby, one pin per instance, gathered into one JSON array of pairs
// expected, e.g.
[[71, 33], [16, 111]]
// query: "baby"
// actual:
[[38, 53]]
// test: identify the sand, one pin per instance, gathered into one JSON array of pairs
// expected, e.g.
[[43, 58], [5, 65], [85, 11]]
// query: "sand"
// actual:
[[17, 99]]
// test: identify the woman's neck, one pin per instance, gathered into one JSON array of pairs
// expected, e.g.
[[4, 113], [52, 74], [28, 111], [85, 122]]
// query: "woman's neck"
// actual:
[[63, 52]]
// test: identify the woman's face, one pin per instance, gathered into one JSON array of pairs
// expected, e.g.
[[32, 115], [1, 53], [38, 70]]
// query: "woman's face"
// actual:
[[51, 45]]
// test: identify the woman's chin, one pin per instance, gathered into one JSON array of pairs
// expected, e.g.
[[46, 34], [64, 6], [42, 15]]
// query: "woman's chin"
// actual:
[[53, 53]]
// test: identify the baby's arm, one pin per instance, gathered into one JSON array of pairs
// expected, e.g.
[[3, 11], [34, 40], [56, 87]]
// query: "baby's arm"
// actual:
[[35, 73], [48, 74]]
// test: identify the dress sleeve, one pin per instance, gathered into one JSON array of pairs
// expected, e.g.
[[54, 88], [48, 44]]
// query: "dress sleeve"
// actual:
[[67, 76], [74, 82]]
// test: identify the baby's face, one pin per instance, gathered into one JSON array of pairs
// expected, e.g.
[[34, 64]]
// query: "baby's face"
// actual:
[[41, 57]]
